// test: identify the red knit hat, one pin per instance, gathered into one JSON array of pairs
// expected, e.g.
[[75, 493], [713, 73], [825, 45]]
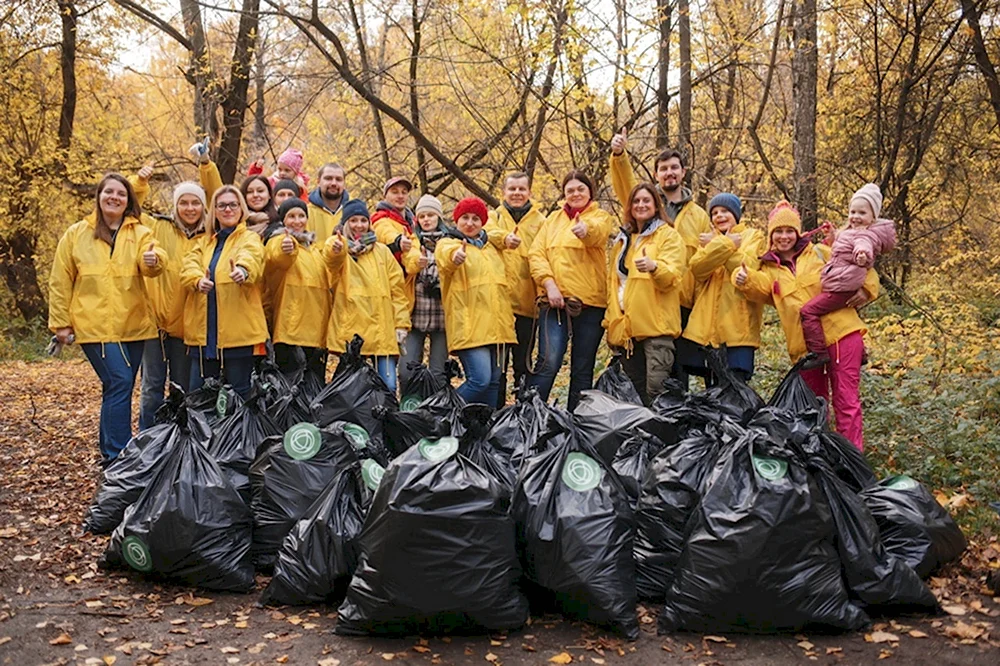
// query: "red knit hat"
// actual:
[[472, 205]]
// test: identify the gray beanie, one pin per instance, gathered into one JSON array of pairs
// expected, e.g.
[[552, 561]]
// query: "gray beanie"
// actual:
[[429, 202]]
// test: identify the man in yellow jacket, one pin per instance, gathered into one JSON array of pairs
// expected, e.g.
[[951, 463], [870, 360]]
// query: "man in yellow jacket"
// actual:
[[326, 202], [688, 218], [518, 220]]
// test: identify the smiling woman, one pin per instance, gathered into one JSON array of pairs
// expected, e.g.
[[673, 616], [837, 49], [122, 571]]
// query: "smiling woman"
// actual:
[[97, 298]]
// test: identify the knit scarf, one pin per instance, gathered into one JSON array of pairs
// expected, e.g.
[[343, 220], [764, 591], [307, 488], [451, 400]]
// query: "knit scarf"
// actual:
[[305, 238], [519, 212], [359, 246], [257, 222], [479, 241]]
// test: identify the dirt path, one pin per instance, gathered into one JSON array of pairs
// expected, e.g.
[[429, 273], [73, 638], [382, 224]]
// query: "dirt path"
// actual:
[[57, 608]]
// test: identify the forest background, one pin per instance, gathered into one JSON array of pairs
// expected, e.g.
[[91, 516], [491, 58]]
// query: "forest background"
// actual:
[[769, 99]]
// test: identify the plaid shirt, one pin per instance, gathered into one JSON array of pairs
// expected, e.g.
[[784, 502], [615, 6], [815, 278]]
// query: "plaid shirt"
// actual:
[[428, 313]]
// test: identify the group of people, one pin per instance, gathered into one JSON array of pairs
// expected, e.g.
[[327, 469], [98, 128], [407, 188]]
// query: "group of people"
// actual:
[[198, 294]]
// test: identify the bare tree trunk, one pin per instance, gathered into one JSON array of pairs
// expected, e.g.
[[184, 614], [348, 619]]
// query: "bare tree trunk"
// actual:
[[259, 135], [414, 99], [684, 135], [234, 105], [663, 12], [715, 145], [559, 17], [198, 74], [67, 66], [804, 72], [986, 68], [367, 77]]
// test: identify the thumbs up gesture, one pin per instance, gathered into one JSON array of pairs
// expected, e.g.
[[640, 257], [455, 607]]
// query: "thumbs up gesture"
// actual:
[[619, 142], [338, 242], [736, 238], [205, 284], [459, 257], [236, 273], [288, 243], [579, 229], [149, 256], [741, 274], [405, 243], [146, 172], [512, 241], [422, 261], [644, 264], [705, 238]]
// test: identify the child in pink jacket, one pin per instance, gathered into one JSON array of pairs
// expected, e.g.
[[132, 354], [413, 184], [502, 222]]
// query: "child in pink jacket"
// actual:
[[853, 253]]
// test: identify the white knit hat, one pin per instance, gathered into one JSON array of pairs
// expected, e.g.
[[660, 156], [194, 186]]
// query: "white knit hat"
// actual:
[[873, 195], [187, 187], [429, 202]]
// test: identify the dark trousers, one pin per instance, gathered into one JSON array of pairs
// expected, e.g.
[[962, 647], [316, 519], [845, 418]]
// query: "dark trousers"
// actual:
[[288, 360], [554, 330], [519, 355]]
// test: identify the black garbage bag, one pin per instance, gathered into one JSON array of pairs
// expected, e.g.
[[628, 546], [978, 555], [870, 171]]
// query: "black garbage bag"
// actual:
[[475, 423], [849, 464], [437, 551], [237, 438], [691, 412], [525, 428], [913, 526], [760, 553], [138, 463], [290, 472], [435, 417], [615, 382], [794, 395], [735, 395], [189, 525], [669, 495], [632, 462], [874, 577], [286, 396], [214, 400], [420, 384], [575, 535], [355, 390], [605, 423], [319, 555]]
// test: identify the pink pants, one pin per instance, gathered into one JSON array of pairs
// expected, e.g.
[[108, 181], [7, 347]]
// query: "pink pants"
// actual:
[[842, 377], [822, 303]]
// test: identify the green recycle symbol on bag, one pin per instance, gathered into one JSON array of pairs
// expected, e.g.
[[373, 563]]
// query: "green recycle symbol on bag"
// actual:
[[581, 472], [372, 473], [772, 469], [302, 441], [359, 436], [409, 403], [221, 403], [137, 554], [902, 482], [435, 450]]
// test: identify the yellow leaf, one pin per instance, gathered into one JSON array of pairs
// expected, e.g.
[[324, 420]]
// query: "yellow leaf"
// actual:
[[916, 633], [109, 660], [881, 637], [715, 639], [388, 656], [490, 657], [561, 658], [954, 609], [61, 639]]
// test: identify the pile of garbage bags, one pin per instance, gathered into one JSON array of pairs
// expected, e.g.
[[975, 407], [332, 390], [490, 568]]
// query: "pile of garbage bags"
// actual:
[[430, 515]]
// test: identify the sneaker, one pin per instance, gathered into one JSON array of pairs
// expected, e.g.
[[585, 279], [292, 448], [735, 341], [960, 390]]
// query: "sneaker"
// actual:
[[814, 360]]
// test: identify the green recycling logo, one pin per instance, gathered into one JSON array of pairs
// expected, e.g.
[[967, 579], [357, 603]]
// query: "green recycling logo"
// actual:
[[409, 403], [302, 441], [359, 436], [772, 469], [435, 450], [372, 473], [902, 482], [137, 554], [221, 403], [581, 472]]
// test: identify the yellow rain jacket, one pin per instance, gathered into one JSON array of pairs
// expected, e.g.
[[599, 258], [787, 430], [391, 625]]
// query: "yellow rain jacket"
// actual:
[[165, 292], [777, 285], [369, 298], [579, 266], [322, 222], [99, 290], [721, 314], [648, 305], [301, 294], [208, 174], [523, 289], [475, 296], [240, 318]]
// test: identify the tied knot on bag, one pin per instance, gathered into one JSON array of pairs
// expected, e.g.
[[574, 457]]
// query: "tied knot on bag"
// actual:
[[574, 306]]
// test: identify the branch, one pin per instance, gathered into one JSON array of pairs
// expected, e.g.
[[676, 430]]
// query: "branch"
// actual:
[[155, 21]]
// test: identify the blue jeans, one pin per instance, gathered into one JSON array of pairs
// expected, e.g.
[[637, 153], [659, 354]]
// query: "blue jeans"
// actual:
[[386, 368], [482, 375], [116, 364], [236, 372], [554, 329], [414, 348], [156, 359]]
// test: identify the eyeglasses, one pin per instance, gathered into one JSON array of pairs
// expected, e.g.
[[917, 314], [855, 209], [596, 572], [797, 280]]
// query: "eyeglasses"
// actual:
[[227, 205]]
